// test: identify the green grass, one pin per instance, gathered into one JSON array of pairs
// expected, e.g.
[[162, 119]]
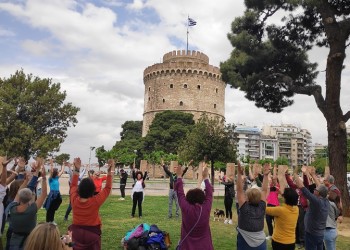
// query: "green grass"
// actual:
[[116, 221]]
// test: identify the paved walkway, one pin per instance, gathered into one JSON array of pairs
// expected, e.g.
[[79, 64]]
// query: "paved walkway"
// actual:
[[156, 187]]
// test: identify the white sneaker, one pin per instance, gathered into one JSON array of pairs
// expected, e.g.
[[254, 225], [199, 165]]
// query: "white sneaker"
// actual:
[[226, 221], [268, 237], [230, 222]]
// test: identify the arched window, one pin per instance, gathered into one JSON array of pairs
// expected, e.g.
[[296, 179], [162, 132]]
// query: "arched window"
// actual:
[[149, 88], [149, 98], [163, 100], [171, 86], [216, 90], [198, 87], [214, 105], [185, 86], [181, 103]]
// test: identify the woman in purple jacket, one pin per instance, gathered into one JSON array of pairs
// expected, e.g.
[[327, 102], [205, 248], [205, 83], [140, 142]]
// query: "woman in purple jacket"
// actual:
[[195, 209]]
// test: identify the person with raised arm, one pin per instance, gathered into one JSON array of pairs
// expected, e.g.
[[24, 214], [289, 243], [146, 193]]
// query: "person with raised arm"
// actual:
[[54, 198], [252, 204], [316, 215], [285, 216], [24, 210], [137, 192], [195, 208], [86, 227], [70, 173], [272, 201], [172, 193]]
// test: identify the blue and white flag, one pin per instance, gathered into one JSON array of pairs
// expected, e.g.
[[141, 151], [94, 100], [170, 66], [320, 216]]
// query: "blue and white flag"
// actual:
[[191, 22]]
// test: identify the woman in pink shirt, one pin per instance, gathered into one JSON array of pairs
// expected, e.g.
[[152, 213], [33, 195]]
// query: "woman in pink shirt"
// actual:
[[272, 201]]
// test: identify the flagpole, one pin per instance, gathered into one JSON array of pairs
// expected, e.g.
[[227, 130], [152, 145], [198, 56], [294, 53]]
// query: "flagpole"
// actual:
[[187, 36]]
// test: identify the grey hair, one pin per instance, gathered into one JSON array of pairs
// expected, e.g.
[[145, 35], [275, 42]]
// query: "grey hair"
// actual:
[[330, 179], [25, 195]]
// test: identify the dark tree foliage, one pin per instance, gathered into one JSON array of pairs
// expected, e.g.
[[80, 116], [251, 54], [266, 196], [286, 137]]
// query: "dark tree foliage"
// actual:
[[167, 130], [131, 130], [270, 63], [34, 117]]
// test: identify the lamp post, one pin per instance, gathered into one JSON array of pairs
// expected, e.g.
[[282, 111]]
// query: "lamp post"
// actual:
[[135, 151], [91, 148]]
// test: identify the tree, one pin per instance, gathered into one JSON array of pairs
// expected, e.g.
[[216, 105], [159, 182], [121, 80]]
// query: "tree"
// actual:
[[102, 156], [210, 139], [62, 158], [131, 130], [33, 115], [167, 130], [270, 64]]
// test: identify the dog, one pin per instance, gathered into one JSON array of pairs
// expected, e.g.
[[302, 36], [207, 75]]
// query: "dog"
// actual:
[[218, 214]]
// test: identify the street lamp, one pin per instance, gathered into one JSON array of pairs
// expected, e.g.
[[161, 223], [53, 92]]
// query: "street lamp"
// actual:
[[91, 148], [135, 151]]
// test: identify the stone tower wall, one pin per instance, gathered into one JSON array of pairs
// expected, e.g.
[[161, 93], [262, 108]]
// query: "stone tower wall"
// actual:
[[183, 82]]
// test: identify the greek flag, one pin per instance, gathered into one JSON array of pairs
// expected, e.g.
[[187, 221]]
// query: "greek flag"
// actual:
[[191, 22]]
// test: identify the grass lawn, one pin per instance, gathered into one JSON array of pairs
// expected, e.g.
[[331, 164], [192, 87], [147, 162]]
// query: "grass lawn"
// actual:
[[116, 222]]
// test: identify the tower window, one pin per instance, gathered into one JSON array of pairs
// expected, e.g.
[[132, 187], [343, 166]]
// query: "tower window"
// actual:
[[181, 103], [198, 87], [214, 105], [216, 90], [185, 86], [171, 86], [149, 98], [149, 88], [163, 100]]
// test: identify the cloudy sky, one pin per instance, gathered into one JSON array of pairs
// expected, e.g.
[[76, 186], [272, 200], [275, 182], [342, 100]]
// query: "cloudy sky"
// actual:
[[98, 50]]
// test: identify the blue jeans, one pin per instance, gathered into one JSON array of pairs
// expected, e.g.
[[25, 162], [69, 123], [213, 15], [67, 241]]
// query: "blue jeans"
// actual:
[[242, 245], [330, 237], [313, 242]]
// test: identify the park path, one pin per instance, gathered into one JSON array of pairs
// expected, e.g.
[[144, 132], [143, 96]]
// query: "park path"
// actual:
[[158, 187]]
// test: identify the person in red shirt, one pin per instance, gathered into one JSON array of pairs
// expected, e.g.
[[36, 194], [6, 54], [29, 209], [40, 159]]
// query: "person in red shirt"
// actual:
[[86, 227], [98, 181]]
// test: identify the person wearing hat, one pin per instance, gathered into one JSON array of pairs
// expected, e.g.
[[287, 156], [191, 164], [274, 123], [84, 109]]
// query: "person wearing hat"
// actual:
[[123, 178], [316, 216]]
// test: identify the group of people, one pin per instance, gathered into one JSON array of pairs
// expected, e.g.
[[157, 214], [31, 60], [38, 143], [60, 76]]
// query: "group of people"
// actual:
[[308, 215], [23, 191]]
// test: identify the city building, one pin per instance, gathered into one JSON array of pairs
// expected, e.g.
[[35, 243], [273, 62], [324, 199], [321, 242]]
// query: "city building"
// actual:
[[294, 143], [248, 146], [268, 147]]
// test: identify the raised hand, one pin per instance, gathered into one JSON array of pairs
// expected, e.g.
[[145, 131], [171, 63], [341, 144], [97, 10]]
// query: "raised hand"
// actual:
[[111, 165], [5, 162], [205, 173], [240, 169], [77, 163], [267, 168]]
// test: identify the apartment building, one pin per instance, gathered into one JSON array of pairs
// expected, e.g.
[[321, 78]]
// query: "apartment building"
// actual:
[[248, 146], [293, 142]]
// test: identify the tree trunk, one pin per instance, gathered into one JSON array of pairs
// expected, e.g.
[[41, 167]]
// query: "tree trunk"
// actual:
[[336, 127], [337, 146]]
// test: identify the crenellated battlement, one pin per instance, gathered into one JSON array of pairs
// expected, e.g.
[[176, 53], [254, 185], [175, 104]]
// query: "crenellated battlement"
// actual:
[[178, 55], [193, 62]]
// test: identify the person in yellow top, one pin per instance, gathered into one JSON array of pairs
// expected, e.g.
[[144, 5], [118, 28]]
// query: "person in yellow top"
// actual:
[[286, 217]]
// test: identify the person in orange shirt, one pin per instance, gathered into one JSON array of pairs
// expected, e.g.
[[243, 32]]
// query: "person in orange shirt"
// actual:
[[86, 227]]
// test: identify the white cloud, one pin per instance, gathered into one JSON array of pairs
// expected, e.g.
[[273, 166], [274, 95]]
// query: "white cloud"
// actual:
[[99, 49]]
